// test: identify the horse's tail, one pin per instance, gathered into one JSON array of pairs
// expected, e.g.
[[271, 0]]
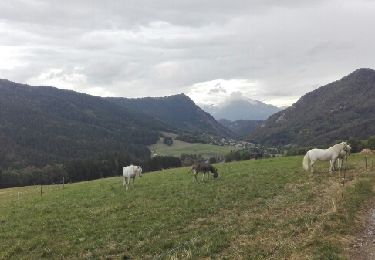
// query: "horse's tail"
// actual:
[[306, 162]]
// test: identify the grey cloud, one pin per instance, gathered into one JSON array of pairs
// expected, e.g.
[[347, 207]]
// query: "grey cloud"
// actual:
[[126, 14], [138, 48], [218, 89]]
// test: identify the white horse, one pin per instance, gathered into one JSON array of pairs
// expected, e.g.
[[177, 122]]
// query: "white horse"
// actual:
[[130, 172], [331, 154], [343, 156]]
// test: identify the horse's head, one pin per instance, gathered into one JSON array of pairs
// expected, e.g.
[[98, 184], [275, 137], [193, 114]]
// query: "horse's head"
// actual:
[[215, 172], [139, 171], [341, 146], [194, 168], [348, 149]]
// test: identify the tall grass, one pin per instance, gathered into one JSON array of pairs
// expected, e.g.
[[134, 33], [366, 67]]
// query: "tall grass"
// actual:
[[266, 209]]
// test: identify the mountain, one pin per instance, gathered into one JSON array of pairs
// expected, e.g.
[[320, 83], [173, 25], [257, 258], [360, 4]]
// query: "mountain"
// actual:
[[178, 111], [44, 124], [41, 125], [338, 111], [242, 128], [241, 109]]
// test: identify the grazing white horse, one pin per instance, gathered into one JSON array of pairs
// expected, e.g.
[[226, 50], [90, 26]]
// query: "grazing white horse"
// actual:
[[331, 154], [130, 172], [343, 156]]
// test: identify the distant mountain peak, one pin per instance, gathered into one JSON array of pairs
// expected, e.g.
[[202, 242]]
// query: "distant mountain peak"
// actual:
[[241, 109], [361, 74], [363, 71]]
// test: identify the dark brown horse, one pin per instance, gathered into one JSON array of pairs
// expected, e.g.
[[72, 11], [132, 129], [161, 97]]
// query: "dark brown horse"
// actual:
[[204, 168]]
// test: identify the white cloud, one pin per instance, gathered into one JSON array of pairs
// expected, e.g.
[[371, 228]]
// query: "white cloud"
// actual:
[[216, 92], [60, 78], [73, 79], [11, 58], [282, 101]]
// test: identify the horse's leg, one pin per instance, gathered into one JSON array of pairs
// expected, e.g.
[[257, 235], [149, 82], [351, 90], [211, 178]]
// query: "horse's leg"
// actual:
[[312, 165], [195, 176], [340, 163], [332, 164], [336, 164], [123, 181], [203, 176], [126, 182]]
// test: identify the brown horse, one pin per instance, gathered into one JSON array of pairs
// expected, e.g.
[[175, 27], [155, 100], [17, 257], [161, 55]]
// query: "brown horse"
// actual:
[[204, 168]]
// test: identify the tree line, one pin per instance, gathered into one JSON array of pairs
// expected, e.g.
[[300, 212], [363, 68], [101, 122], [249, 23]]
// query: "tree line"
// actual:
[[357, 145], [81, 170]]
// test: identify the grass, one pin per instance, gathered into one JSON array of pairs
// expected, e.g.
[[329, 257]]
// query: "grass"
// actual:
[[179, 147], [265, 209]]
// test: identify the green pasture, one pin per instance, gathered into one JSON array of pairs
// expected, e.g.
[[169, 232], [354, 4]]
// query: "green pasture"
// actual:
[[180, 147], [263, 209]]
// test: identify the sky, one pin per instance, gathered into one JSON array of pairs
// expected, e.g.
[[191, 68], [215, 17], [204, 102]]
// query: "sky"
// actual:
[[213, 51]]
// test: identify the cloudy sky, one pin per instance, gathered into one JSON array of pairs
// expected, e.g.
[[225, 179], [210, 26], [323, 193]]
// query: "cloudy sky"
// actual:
[[268, 50]]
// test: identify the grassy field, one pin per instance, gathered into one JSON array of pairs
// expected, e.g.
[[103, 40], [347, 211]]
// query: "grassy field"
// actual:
[[180, 147], [264, 209]]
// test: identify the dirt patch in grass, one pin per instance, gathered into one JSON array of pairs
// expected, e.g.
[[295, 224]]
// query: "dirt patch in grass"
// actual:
[[363, 243]]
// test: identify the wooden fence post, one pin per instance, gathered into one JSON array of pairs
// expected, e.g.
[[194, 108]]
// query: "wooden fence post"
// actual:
[[343, 182]]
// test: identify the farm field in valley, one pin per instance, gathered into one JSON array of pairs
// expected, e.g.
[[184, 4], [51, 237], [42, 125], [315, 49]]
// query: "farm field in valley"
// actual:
[[264, 209], [179, 147]]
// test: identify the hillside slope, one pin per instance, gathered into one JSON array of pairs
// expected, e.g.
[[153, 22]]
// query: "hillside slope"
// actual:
[[263, 209], [39, 125], [340, 110], [242, 128], [179, 111]]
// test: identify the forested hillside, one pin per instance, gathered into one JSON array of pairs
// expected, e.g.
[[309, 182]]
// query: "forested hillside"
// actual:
[[48, 133], [242, 128], [179, 111], [39, 125], [340, 110]]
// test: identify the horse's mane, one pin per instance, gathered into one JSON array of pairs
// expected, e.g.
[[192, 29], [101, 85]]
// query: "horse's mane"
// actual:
[[339, 147]]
